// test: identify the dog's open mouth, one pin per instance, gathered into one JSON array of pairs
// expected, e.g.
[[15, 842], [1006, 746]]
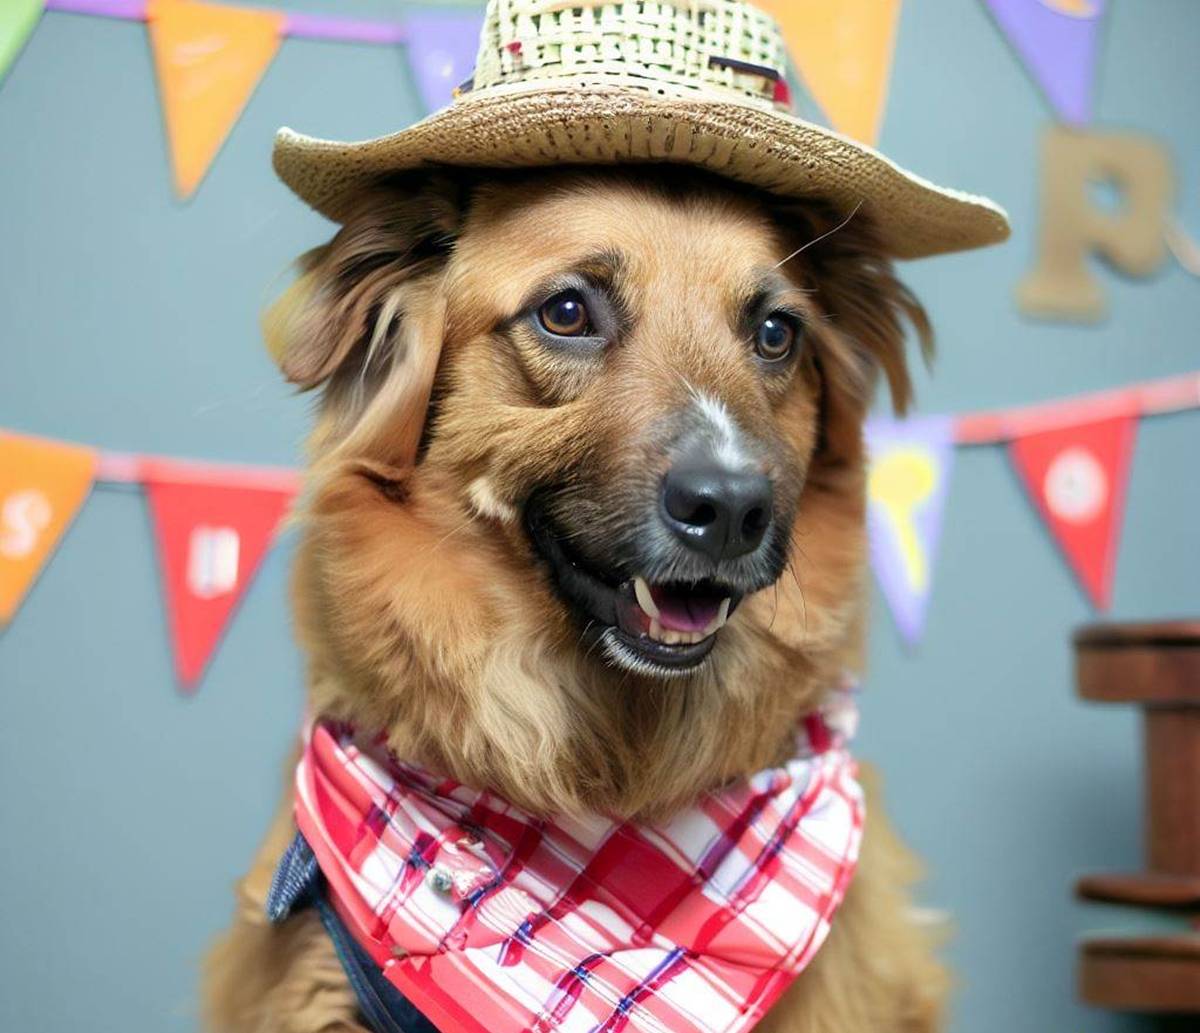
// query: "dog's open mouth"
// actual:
[[661, 628]]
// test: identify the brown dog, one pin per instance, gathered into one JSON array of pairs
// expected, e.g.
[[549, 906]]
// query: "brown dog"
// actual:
[[544, 396]]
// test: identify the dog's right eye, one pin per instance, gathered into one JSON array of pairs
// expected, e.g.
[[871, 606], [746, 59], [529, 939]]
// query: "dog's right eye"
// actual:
[[565, 315]]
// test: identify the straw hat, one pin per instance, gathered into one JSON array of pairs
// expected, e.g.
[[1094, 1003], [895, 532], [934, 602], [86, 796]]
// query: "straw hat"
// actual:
[[697, 82]]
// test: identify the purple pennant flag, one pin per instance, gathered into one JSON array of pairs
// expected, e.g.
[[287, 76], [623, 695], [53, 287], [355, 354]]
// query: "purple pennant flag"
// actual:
[[907, 485], [1057, 41], [442, 49]]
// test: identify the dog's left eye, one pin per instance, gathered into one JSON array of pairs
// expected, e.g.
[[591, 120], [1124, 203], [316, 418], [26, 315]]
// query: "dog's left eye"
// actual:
[[776, 337], [565, 315]]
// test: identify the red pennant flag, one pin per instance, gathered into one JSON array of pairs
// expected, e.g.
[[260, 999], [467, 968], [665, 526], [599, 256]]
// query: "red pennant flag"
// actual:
[[1076, 476], [212, 526]]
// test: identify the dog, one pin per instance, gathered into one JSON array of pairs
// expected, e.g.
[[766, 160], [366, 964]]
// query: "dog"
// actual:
[[581, 569], [550, 399]]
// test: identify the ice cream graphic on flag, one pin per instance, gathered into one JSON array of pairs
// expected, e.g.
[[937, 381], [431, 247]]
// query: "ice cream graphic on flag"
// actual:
[[910, 464]]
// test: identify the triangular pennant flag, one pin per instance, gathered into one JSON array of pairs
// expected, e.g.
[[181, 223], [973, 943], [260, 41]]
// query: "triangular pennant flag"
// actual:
[[843, 49], [209, 59], [441, 51], [1057, 41], [42, 486], [212, 530], [18, 19], [907, 486], [1076, 477]]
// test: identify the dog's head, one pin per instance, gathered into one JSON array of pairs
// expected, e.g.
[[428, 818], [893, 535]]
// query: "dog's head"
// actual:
[[586, 508]]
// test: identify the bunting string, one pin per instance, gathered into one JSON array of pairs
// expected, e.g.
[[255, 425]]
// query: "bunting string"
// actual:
[[297, 25], [213, 522], [1150, 398], [118, 468]]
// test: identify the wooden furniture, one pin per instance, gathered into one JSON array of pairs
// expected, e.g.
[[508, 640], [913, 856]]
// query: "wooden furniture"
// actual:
[[1157, 667]]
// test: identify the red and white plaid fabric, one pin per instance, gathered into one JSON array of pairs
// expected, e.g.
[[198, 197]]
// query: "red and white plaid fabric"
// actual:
[[492, 921]]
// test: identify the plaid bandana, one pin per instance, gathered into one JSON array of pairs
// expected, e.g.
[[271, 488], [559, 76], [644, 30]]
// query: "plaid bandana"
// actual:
[[492, 921]]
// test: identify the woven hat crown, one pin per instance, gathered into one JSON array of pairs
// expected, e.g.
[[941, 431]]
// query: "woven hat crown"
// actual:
[[603, 82], [721, 48]]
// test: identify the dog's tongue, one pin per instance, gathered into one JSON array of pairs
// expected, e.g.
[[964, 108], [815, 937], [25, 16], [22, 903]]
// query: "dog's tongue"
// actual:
[[683, 610]]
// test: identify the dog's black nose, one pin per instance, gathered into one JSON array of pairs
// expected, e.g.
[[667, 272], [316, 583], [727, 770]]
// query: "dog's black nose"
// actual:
[[714, 510]]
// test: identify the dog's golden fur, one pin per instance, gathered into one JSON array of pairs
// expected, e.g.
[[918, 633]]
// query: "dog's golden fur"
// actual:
[[420, 604]]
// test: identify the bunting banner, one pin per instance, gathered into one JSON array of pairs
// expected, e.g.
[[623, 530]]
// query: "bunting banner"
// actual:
[[42, 485], [1076, 476], [212, 529], [213, 522], [18, 18], [907, 487], [843, 50], [1058, 42], [442, 50], [209, 59]]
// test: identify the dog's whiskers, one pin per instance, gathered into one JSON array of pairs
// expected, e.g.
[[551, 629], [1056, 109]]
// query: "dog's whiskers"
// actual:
[[595, 641], [817, 240], [791, 567], [451, 533]]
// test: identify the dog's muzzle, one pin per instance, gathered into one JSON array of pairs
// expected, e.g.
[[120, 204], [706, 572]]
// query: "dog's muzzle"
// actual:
[[704, 542]]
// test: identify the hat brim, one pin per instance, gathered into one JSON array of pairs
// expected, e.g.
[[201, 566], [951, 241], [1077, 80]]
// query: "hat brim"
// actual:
[[561, 125]]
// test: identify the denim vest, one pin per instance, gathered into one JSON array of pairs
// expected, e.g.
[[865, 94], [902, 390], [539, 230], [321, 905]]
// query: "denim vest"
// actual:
[[297, 884]]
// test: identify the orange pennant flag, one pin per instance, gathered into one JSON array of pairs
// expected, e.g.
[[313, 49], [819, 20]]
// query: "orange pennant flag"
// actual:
[[843, 49], [42, 486], [209, 59]]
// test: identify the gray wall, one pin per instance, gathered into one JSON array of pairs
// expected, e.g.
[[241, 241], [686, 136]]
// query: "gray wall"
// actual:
[[129, 321]]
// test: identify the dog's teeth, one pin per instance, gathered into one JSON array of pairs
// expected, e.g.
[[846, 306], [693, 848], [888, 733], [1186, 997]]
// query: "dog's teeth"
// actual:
[[644, 598], [718, 622], [671, 637]]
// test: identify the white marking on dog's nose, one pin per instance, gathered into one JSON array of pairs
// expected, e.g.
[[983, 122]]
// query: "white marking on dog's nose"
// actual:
[[724, 436]]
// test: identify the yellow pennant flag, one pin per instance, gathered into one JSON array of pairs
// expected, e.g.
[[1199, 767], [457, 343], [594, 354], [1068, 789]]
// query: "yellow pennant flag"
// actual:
[[42, 486], [843, 49], [209, 59]]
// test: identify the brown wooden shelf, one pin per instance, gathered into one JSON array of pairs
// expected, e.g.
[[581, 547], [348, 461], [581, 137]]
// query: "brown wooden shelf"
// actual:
[[1156, 662], [1155, 666], [1145, 973], [1142, 890]]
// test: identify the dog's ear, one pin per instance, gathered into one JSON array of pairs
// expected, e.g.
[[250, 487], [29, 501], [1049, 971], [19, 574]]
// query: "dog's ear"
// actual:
[[363, 316], [872, 310], [869, 309]]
